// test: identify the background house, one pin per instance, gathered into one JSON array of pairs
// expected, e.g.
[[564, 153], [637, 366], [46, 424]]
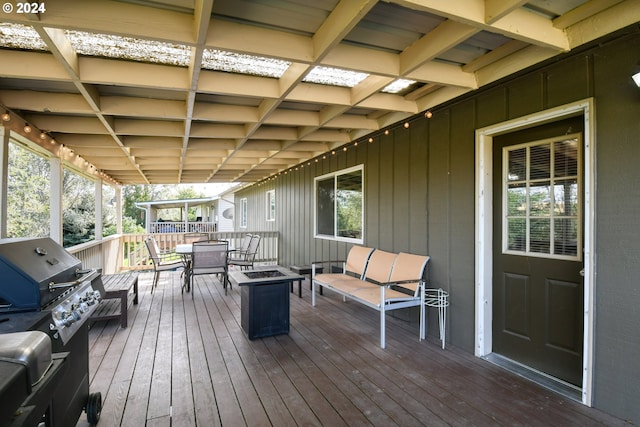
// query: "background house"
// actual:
[[181, 216]]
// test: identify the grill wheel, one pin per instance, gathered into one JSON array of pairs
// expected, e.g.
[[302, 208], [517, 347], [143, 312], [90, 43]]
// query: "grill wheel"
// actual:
[[94, 408]]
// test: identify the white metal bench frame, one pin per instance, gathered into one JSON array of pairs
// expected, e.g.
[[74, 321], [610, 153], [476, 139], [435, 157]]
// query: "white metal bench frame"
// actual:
[[382, 270]]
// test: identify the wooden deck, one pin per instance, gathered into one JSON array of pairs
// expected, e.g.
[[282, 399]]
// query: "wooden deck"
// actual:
[[185, 361]]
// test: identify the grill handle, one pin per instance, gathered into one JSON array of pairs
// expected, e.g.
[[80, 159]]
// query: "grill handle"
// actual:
[[88, 275]]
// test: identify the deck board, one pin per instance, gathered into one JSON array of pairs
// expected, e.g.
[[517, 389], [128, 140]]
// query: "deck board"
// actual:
[[185, 361]]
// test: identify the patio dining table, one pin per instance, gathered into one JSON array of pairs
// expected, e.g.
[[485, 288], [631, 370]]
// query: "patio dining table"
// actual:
[[185, 250]]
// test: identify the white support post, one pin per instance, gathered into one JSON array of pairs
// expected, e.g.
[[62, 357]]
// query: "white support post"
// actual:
[[4, 179], [55, 203], [98, 208], [119, 209]]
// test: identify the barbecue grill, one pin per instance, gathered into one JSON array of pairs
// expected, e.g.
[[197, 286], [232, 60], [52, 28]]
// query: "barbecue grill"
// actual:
[[44, 288]]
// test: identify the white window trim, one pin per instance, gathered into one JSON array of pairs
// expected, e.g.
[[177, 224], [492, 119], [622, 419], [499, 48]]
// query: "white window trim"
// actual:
[[484, 232], [243, 212], [271, 194], [335, 236], [579, 214]]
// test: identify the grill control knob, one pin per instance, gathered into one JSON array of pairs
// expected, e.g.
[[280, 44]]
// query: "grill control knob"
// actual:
[[68, 320]]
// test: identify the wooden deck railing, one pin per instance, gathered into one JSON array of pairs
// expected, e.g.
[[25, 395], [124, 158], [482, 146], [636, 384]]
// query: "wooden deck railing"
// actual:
[[104, 254], [128, 251], [182, 227]]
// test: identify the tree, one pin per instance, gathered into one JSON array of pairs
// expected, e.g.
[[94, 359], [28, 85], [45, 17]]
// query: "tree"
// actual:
[[28, 194], [79, 211], [140, 193]]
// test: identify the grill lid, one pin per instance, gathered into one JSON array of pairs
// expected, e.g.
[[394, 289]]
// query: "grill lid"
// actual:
[[27, 267]]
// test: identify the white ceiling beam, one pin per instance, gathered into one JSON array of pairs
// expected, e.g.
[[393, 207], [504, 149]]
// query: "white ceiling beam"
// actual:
[[290, 118], [202, 18], [172, 143], [619, 16], [87, 140], [238, 85], [142, 107], [441, 39], [342, 19], [582, 12], [225, 113], [496, 9], [513, 63], [494, 55], [444, 74], [259, 41], [132, 20], [128, 73], [440, 96], [363, 59], [32, 66], [149, 127], [50, 102], [519, 24], [389, 102]]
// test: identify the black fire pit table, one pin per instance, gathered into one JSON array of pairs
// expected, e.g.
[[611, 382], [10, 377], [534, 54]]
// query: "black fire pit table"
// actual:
[[265, 300]]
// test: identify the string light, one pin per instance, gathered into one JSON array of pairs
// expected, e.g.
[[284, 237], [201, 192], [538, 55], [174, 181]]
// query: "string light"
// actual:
[[6, 116], [27, 128], [427, 114]]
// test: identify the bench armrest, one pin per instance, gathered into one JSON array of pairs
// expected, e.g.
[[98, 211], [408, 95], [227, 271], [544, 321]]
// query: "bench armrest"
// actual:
[[337, 261]]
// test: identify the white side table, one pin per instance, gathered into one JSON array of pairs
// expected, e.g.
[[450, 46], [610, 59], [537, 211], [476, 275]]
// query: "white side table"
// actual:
[[438, 298]]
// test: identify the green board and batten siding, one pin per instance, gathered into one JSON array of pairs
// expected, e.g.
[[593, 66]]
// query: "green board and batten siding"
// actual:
[[420, 197]]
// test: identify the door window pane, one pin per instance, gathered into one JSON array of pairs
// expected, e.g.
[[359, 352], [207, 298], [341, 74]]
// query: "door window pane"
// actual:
[[540, 236], [565, 194], [517, 165], [566, 236], [539, 162], [566, 158], [542, 198], [517, 234], [517, 200]]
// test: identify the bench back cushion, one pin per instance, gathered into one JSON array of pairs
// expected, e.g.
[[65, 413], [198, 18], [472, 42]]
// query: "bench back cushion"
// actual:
[[409, 267], [357, 260], [380, 266]]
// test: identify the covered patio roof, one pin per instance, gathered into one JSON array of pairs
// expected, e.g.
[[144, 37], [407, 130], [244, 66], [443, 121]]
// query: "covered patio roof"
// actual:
[[141, 91]]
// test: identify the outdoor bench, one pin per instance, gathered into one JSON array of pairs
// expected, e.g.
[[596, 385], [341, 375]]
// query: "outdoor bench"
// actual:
[[121, 290], [378, 279]]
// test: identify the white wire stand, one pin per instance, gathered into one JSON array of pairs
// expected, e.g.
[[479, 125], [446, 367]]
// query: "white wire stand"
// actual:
[[438, 298]]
